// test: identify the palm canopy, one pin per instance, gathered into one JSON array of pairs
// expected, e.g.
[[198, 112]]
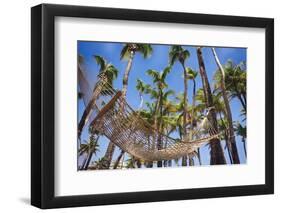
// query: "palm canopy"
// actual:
[[106, 69], [192, 74], [198, 108], [147, 115], [178, 53], [144, 49], [200, 98], [159, 77], [168, 105], [241, 130], [235, 78], [90, 146], [141, 86]]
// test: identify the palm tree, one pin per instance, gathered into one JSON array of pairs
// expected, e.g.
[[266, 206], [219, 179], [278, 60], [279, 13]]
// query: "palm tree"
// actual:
[[142, 88], [148, 115], [192, 74], [109, 72], [179, 126], [127, 53], [180, 122], [109, 154], [217, 156], [101, 163], [235, 81], [130, 163], [222, 126], [200, 109], [223, 123], [81, 153], [160, 94], [120, 156], [84, 86], [220, 109], [242, 131], [231, 135], [90, 148], [169, 122], [177, 53]]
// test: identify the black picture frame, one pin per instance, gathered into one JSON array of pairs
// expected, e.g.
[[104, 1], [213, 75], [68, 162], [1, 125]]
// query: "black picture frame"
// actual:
[[43, 102]]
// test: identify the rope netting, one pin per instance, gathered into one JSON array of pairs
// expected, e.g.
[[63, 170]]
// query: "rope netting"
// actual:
[[132, 133]]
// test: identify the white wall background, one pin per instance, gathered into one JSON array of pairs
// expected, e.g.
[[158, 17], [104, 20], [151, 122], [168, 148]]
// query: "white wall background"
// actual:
[[15, 105]]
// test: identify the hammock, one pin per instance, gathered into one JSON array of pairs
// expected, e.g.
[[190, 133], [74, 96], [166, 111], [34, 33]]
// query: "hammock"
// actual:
[[130, 132]]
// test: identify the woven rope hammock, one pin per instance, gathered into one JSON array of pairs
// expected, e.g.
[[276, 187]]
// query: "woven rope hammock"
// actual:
[[130, 132]]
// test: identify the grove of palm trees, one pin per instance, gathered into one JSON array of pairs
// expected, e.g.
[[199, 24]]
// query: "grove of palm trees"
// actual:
[[156, 106]]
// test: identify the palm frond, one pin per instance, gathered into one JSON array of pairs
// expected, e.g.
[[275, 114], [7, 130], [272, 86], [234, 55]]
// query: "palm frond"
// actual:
[[125, 54], [100, 61]]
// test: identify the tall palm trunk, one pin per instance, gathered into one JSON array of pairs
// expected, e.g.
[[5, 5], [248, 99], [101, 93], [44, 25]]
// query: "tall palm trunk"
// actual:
[[184, 159], [228, 147], [193, 108], [84, 162], [118, 159], [88, 161], [244, 97], [199, 156], [141, 101], [231, 135], [242, 101], [91, 151], [138, 162], [89, 108], [159, 125], [109, 154], [244, 146], [191, 160], [111, 146], [159, 142], [226, 137], [192, 120], [167, 162], [217, 156], [149, 164], [126, 74]]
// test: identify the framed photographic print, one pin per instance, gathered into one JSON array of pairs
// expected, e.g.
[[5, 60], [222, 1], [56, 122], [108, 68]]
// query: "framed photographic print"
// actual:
[[139, 106]]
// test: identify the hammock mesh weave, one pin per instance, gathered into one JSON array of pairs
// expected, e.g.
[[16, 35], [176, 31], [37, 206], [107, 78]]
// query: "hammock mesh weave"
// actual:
[[130, 132]]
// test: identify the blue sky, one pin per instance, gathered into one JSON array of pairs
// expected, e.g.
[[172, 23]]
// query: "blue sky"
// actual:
[[158, 61]]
